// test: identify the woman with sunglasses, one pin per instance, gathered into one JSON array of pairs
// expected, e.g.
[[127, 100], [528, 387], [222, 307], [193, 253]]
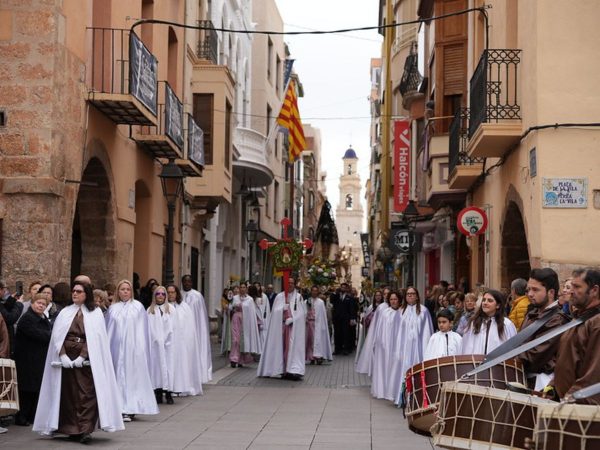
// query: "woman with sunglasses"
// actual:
[[160, 332], [74, 400], [127, 327]]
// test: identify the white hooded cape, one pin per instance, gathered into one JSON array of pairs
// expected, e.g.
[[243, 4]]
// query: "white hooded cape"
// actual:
[[364, 360], [251, 340], [271, 361], [196, 301], [160, 330], [411, 341], [184, 365], [443, 344], [127, 327], [383, 352], [474, 344], [109, 401], [322, 341]]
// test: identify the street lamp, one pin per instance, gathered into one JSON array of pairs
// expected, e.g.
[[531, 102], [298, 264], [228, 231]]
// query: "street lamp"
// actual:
[[171, 179], [251, 236]]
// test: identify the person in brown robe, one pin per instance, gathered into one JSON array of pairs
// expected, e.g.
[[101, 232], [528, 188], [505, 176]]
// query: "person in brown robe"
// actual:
[[4, 339], [543, 288], [78, 404], [578, 360]]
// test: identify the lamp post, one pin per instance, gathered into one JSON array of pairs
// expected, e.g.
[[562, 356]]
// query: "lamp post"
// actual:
[[409, 216], [171, 179], [251, 235]]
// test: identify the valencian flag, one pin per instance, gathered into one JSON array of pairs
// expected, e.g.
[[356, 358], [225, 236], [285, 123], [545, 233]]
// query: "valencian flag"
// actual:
[[289, 118]]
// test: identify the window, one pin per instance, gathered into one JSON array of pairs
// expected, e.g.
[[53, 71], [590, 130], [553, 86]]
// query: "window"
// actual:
[[267, 201], [269, 113], [269, 58], [349, 201], [228, 114], [203, 115], [275, 200], [278, 75], [311, 200], [349, 169]]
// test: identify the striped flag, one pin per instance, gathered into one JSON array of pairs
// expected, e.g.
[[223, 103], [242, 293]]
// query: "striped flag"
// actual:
[[289, 118]]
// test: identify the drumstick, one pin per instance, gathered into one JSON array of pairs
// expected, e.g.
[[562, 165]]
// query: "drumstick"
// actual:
[[584, 393], [86, 363]]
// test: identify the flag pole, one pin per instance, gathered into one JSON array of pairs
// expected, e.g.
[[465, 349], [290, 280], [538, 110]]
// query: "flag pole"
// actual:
[[275, 129]]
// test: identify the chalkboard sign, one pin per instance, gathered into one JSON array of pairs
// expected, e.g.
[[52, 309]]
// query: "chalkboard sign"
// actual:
[[143, 71], [173, 117], [195, 142]]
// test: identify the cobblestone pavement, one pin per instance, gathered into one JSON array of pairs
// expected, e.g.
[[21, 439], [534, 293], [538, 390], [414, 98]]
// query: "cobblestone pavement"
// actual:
[[330, 409]]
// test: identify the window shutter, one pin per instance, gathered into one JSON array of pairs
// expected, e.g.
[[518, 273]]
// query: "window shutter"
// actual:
[[454, 69], [203, 115]]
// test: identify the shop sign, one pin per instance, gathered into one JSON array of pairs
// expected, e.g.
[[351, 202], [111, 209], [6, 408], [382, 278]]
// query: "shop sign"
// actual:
[[195, 142], [143, 73], [472, 221], [400, 240], [401, 165], [564, 192], [173, 117]]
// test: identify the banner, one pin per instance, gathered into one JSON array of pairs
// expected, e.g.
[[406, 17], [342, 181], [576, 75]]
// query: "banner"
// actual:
[[401, 165], [364, 243], [173, 117], [143, 73]]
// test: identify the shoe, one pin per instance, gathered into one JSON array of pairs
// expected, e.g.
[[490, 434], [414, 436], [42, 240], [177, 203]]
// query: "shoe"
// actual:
[[126, 418], [3, 430], [158, 393], [75, 437], [21, 422], [239, 365], [85, 438], [169, 398], [294, 377], [233, 365]]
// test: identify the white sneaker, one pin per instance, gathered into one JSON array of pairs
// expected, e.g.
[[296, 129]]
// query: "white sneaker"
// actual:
[[126, 418], [3, 430]]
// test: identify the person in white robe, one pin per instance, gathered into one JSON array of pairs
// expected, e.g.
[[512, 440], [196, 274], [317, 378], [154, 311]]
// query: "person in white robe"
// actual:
[[226, 300], [78, 409], [184, 364], [318, 341], [196, 301], [385, 358], [285, 346], [364, 362], [365, 322], [160, 331], [245, 337], [412, 338], [444, 342], [263, 310], [127, 327], [489, 327]]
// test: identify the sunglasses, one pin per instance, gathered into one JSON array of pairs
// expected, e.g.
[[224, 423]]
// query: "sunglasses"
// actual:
[[77, 291], [162, 294]]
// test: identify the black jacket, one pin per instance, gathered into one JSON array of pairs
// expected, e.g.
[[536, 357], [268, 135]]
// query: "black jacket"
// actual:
[[11, 310], [344, 310], [32, 340]]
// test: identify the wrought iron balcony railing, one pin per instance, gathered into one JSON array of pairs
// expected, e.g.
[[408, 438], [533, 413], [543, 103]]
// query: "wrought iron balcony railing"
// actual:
[[458, 140], [208, 42], [494, 88], [411, 78]]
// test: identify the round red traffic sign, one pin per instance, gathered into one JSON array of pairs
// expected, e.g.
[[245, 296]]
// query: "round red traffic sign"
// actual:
[[472, 221]]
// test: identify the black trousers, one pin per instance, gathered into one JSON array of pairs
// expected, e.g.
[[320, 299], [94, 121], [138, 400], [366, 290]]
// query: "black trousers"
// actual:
[[343, 336], [27, 405]]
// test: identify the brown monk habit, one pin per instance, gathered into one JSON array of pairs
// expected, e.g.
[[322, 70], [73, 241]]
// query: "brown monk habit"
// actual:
[[78, 404], [578, 360]]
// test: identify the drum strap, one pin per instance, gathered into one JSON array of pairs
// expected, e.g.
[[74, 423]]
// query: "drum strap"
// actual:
[[522, 336], [529, 345]]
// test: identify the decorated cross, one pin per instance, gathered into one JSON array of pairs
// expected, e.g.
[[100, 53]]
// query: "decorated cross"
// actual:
[[286, 253]]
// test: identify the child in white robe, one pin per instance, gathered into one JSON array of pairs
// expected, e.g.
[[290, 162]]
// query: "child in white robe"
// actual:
[[444, 342]]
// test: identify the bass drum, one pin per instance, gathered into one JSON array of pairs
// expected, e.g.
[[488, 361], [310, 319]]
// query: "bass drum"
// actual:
[[9, 394]]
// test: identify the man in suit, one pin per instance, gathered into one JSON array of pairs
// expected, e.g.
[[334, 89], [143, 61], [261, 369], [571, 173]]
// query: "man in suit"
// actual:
[[345, 310]]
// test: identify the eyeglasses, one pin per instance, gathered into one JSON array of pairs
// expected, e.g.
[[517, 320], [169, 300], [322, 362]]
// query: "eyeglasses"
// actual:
[[162, 294], [411, 293], [77, 291]]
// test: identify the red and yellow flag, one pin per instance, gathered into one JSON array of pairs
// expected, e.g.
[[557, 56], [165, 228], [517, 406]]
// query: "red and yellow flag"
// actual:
[[289, 118]]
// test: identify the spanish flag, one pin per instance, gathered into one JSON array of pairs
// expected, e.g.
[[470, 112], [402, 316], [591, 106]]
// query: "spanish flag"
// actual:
[[289, 118]]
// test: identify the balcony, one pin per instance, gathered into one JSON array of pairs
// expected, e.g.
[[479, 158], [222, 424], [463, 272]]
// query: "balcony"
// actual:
[[122, 77], [495, 123], [166, 138], [252, 165], [462, 169], [208, 42]]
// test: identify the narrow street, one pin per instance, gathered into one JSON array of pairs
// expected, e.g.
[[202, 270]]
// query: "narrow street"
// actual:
[[331, 409]]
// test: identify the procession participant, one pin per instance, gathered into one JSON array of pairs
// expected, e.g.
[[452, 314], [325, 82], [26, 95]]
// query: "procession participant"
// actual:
[[345, 310], [444, 342], [413, 335], [127, 327], [364, 361], [284, 352], [488, 328], [226, 300], [245, 337], [270, 293], [469, 308], [263, 310], [318, 342], [385, 360], [196, 301], [160, 336], [184, 364], [520, 302], [75, 397], [31, 346], [84, 279], [577, 361], [542, 290]]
